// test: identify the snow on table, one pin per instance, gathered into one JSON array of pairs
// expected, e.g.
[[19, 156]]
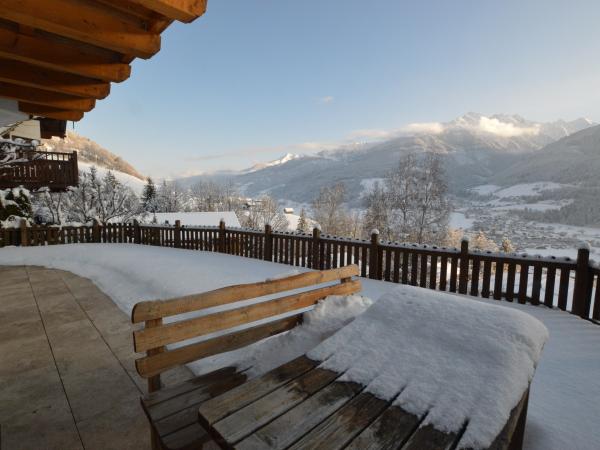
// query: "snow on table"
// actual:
[[457, 359], [564, 403]]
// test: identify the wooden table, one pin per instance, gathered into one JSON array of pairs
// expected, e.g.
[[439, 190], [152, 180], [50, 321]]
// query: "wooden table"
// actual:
[[299, 405]]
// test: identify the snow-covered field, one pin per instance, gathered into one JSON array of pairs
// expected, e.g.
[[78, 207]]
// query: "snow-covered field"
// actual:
[[565, 397]]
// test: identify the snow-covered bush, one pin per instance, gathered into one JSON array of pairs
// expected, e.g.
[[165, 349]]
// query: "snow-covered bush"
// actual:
[[14, 204]]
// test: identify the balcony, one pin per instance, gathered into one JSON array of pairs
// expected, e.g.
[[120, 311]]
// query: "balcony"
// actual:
[[35, 169]]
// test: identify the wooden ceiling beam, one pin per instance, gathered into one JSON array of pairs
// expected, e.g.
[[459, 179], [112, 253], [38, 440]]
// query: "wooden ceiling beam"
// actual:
[[85, 21], [182, 10], [42, 97], [49, 112], [62, 56], [24, 74]]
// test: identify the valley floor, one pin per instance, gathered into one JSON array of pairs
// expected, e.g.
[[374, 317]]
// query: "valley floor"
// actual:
[[565, 396]]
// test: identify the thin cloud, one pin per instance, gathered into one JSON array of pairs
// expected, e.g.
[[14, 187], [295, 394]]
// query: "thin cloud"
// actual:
[[326, 100]]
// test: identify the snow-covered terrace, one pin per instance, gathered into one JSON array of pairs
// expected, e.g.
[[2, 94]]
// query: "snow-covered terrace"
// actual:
[[565, 395]]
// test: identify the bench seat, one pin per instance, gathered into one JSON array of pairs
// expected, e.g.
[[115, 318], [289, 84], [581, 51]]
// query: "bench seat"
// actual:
[[173, 411]]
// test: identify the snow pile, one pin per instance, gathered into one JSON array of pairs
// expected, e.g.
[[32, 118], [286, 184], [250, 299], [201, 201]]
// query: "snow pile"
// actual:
[[326, 318], [457, 358]]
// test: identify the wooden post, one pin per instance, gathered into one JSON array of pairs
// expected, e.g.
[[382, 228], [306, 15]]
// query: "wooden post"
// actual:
[[24, 233], [374, 254], [137, 233], [96, 231], [3, 236], [177, 236], [268, 247], [463, 277], [581, 293], [316, 255], [222, 236]]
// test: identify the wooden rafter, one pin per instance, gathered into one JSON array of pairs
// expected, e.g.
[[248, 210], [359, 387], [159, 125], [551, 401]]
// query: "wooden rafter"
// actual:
[[43, 97], [58, 57], [49, 112], [24, 74], [85, 21], [62, 55], [182, 10]]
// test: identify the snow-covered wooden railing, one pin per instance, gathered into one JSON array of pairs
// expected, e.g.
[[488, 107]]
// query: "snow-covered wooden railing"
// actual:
[[34, 169], [564, 283]]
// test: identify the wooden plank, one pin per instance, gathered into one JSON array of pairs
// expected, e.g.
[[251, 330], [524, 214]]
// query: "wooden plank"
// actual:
[[453, 273], [428, 438], [475, 270], [62, 56], [188, 438], [291, 426], [563, 288], [523, 281], [537, 284], [423, 270], [164, 308], [182, 10], [23, 74], [42, 97], [487, 272], [235, 399], [245, 421], [389, 431], [185, 329], [433, 272], [49, 112], [345, 424], [498, 275], [414, 269], [86, 21], [510, 282], [193, 398], [443, 273], [161, 395], [149, 366]]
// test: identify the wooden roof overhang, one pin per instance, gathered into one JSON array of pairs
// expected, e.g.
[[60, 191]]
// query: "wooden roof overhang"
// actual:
[[57, 57]]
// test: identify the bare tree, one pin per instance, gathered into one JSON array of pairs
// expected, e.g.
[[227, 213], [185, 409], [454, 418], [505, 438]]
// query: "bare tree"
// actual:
[[412, 204], [329, 211]]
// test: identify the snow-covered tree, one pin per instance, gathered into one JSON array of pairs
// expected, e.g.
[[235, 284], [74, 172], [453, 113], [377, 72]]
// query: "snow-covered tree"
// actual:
[[266, 210], [329, 210], [149, 196], [170, 197], [15, 204], [378, 214], [482, 242], [412, 204], [302, 225], [507, 246]]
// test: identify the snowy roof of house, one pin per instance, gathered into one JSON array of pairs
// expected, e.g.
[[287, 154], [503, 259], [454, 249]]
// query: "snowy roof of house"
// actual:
[[210, 219]]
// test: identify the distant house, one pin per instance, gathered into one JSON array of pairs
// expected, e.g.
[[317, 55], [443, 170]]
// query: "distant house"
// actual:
[[288, 210], [208, 219]]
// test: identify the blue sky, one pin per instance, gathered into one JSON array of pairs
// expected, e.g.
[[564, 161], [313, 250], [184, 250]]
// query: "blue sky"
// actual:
[[252, 80]]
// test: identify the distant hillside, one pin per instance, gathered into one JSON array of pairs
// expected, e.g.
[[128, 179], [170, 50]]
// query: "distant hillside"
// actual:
[[90, 152], [574, 159]]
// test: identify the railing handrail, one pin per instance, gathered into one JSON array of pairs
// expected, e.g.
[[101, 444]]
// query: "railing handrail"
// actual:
[[570, 284]]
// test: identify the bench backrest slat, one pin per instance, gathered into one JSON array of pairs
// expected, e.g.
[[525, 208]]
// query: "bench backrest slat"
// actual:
[[156, 335], [155, 309], [149, 366], [199, 326]]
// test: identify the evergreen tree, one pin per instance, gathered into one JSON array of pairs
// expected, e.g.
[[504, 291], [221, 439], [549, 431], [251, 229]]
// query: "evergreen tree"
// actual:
[[302, 222], [15, 203], [149, 196]]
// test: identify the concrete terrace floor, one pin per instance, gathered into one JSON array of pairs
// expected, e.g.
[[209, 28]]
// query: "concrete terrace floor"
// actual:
[[67, 375]]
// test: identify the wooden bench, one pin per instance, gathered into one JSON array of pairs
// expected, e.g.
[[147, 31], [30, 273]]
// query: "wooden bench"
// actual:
[[173, 411]]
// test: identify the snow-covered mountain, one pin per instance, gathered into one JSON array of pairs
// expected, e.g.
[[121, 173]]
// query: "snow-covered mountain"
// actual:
[[277, 162], [475, 148]]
